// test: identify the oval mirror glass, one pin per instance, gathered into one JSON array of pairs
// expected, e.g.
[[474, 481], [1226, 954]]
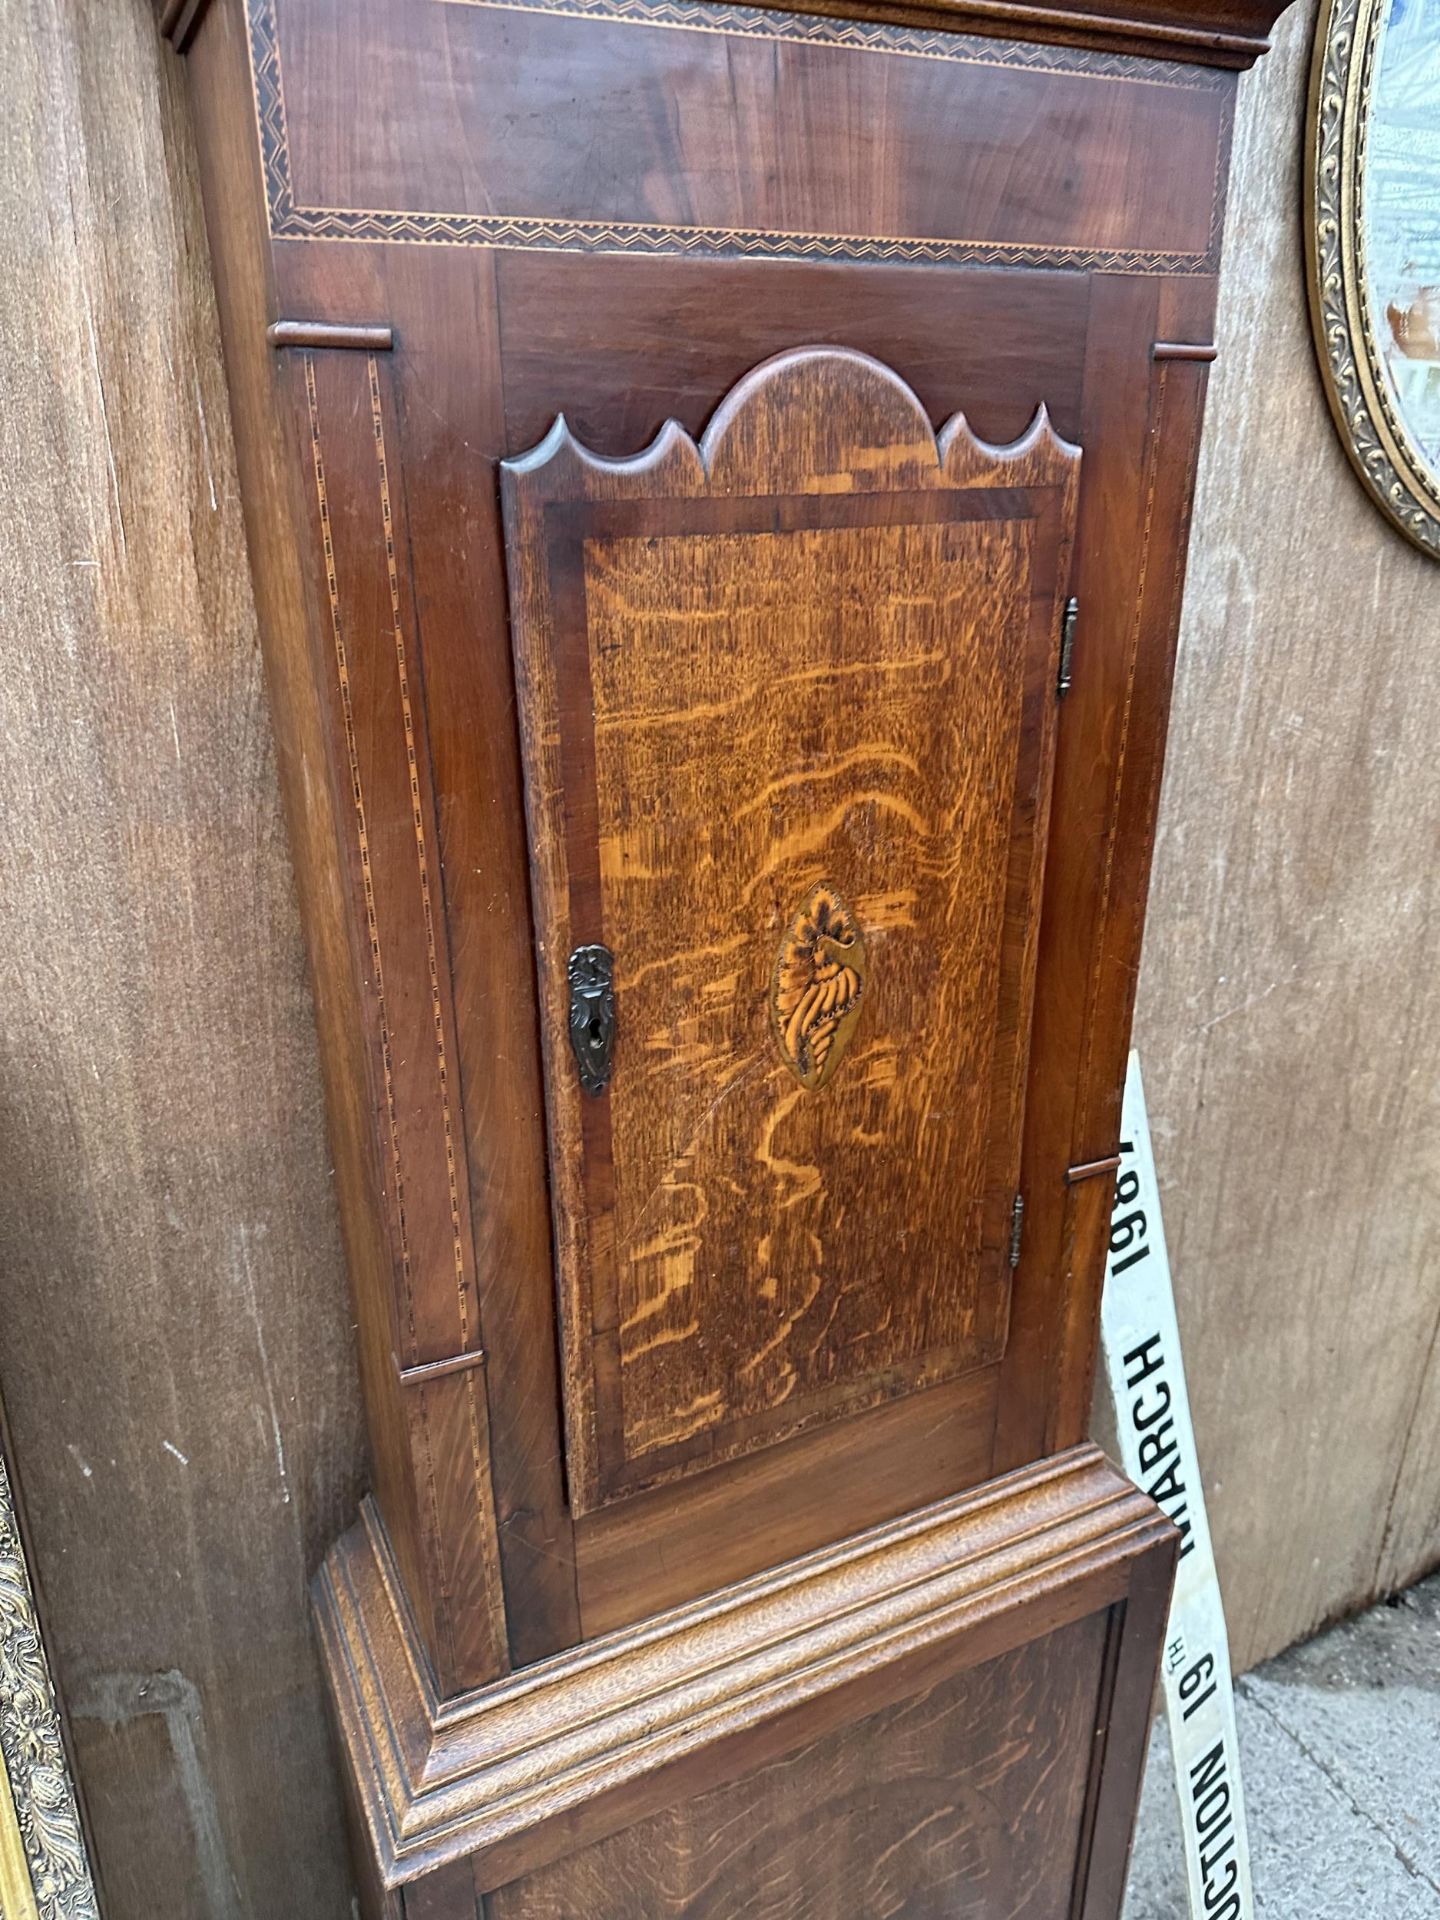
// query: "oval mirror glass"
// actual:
[[1373, 199]]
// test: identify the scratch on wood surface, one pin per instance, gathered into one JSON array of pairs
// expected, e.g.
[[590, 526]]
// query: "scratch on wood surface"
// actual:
[[243, 1232], [1244, 1007], [205, 443], [105, 423]]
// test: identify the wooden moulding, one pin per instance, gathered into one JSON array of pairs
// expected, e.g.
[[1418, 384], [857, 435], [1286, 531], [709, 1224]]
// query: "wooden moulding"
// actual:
[[179, 20], [1227, 33], [1222, 33], [581, 1745]]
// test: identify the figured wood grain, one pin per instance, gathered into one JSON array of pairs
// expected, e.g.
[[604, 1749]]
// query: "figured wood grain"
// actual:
[[587, 1743], [477, 134], [730, 1180], [962, 1802], [730, 1234]]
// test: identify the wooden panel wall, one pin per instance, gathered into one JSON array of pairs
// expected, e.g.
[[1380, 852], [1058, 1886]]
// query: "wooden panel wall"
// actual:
[[1289, 1005], [174, 1342], [175, 1347]]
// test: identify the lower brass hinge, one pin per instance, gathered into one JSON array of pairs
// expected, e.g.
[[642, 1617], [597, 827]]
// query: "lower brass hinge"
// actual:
[[1017, 1228], [1067, 646]]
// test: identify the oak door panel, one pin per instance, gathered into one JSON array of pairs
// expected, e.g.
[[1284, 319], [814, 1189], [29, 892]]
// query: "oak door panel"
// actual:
[[786, 704], [965, 1802]]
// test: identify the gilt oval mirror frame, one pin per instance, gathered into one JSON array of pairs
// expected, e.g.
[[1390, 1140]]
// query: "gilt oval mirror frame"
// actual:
[[1373, 246]]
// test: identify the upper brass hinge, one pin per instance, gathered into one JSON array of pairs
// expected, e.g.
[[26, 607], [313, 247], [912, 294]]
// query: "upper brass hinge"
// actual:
[[1067, 646], [1017, 1228]]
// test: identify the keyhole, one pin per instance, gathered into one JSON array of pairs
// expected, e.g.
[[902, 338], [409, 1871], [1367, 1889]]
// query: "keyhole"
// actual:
[[591, 971]]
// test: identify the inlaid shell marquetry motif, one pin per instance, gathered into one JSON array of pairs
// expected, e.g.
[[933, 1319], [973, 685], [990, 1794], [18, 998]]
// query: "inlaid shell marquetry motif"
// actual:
[[819, 987]]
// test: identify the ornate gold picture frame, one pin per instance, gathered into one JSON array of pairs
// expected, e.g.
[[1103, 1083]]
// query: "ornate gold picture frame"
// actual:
[[1372, 205], [44, 1870]]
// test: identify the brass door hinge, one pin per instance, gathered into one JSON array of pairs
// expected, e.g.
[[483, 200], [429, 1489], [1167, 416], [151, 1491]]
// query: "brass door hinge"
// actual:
[[1067, 646]]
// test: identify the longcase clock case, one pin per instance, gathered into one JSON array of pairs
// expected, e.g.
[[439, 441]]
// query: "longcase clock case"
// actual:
[[717, 480]]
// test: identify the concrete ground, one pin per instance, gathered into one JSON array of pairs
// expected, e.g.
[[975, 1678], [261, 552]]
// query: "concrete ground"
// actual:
[[1340, 1749]]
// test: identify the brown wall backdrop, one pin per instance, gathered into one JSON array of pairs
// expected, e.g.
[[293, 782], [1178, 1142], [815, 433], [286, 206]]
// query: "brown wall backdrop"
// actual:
[[1289, 1004], [175, 1347]]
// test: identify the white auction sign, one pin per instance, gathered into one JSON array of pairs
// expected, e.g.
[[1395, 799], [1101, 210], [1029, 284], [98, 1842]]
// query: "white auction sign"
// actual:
[[1157, 1444]]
